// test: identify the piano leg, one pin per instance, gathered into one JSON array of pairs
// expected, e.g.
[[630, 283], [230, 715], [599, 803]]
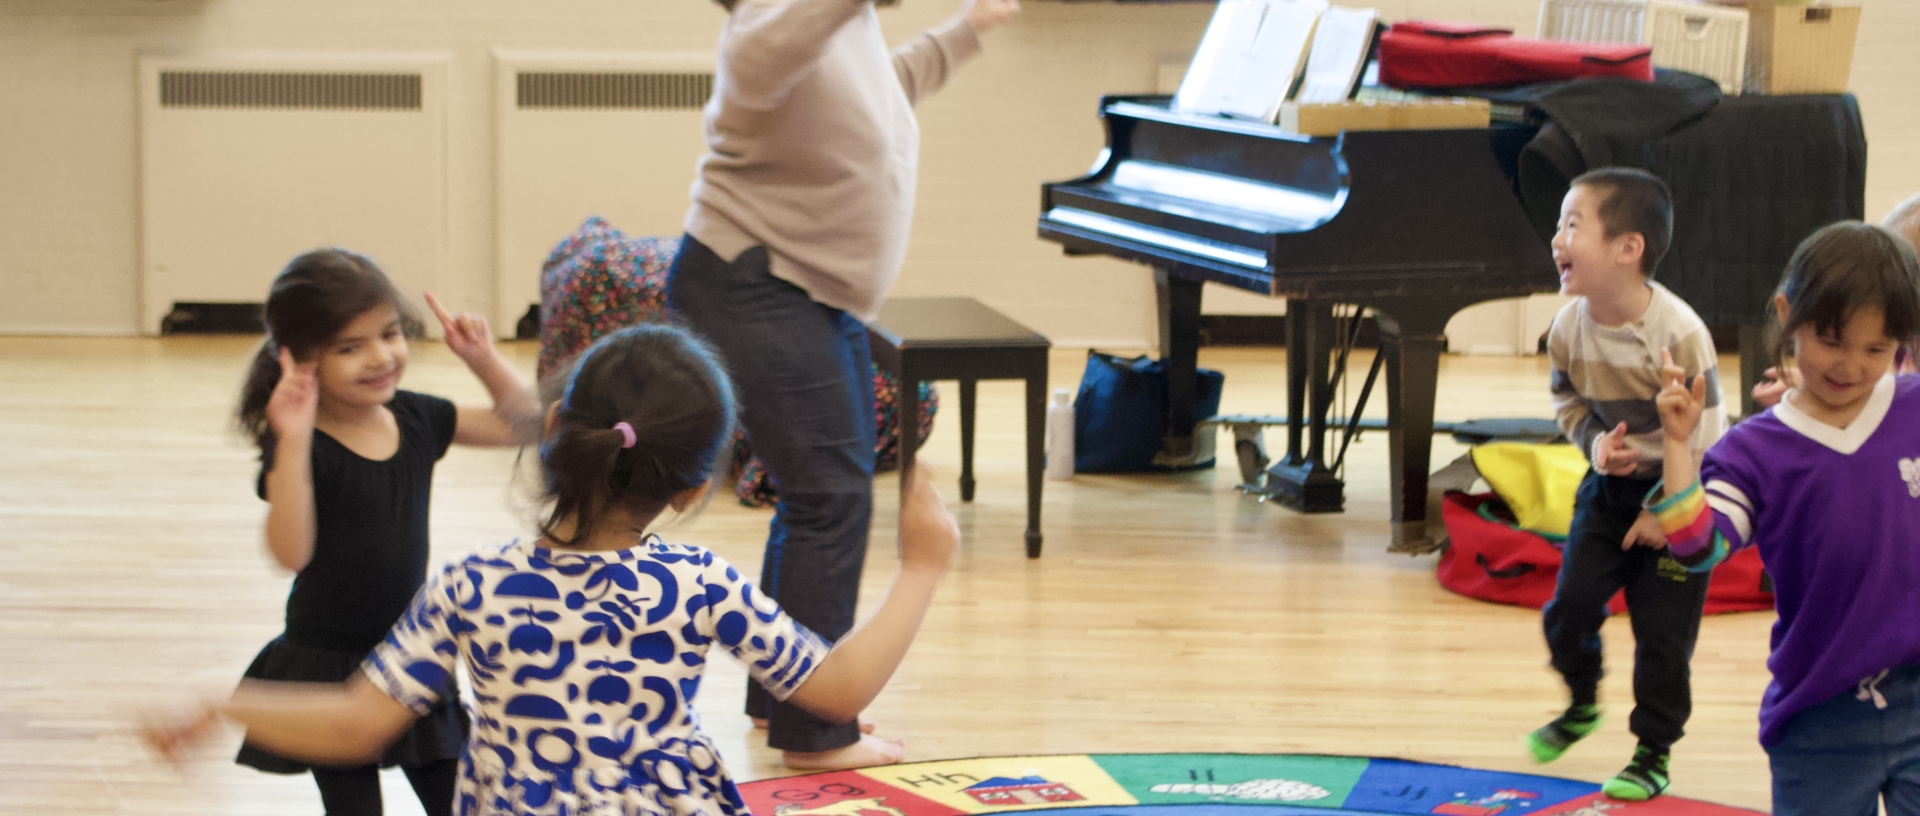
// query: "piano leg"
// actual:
[[1413, 374], [1303, 481], [1179, 300]]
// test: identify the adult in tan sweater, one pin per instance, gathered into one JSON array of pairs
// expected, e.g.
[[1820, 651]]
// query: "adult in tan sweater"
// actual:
[[798, 227]]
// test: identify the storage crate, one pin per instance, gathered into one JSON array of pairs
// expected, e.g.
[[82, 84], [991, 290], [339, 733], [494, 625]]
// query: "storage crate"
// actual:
[[1800, 49], [1707, 40], [1600, 21]]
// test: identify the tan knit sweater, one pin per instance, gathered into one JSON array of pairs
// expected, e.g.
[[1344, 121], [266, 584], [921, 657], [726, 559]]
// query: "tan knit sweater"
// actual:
[[812, 147]]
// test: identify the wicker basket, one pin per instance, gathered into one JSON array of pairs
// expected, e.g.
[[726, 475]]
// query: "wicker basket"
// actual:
[[1707, 40], [1600, 21]]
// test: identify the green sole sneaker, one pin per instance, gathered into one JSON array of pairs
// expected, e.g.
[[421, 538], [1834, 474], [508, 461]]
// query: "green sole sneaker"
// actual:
[[1643, 778], [1549, 741]]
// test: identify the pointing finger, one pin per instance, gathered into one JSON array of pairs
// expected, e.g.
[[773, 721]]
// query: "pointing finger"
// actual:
[[439, 311]]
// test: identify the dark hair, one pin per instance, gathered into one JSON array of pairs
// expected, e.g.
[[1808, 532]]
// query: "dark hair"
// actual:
[[1841, 269], [311, 301], [1635, 201], [671, 387]]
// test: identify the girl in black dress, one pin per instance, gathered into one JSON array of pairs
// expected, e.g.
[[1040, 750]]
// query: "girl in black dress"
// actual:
[[346, 468]]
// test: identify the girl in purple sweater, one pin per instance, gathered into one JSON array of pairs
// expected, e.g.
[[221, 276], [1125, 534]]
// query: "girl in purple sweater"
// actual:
[[1827, 485]]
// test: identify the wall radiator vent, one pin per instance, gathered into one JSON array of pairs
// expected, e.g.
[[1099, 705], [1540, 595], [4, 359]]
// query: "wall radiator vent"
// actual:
[[259, 89], [649, 90], [248, 159], [580, 134]]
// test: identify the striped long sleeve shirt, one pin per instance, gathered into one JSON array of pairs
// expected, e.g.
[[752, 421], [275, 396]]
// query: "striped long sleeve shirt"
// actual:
[[1606, 375]]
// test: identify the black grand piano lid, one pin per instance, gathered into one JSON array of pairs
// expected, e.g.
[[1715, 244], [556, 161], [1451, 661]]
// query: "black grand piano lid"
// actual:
[[1221, 197], [1363, 215]]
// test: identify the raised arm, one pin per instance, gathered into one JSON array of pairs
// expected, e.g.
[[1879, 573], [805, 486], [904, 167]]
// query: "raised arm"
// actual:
[[770, 46], [288, 483], [925, 63], [514, 417], [861, 663], [1701, 528]]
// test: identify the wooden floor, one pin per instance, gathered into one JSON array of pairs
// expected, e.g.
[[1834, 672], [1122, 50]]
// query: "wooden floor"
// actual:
[[1167, 614]]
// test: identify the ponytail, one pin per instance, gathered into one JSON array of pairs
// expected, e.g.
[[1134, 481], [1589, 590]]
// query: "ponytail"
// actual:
[[263, 373], [671, 391]]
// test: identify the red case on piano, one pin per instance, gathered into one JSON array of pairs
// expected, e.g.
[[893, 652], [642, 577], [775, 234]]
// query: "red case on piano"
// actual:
[[1425, 54]]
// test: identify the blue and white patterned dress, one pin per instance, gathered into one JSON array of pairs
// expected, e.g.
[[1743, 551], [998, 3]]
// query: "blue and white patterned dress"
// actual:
[[584, 668]]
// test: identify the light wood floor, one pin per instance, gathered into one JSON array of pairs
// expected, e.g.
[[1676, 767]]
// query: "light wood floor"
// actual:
[[1167, 614]]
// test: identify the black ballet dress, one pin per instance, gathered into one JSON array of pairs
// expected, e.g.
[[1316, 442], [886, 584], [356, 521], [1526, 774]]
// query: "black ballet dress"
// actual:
[[369, 558]]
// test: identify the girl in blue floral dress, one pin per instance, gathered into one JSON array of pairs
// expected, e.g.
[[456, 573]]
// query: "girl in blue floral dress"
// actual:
[[585, 647]]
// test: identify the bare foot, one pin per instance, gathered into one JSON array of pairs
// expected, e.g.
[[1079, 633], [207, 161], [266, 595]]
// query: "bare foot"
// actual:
[[761, 723], [868, 752]]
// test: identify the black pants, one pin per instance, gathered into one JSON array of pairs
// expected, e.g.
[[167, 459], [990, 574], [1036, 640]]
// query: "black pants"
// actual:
[[356, 791], [804, 375], [1663, 599]]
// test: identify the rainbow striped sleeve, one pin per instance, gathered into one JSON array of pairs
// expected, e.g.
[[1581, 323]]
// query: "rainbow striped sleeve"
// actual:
[[1688, 521]]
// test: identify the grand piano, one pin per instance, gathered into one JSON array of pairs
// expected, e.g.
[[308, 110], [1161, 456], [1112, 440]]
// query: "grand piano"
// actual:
[[1411, 225]]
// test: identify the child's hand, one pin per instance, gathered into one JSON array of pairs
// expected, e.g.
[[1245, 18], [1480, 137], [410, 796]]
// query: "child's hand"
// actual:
[[1679, 403], [987, 15], [1611, 455], [173, 738], [1774, 385], [468, 335], [928, 533], [1645, 532], [295, 399]]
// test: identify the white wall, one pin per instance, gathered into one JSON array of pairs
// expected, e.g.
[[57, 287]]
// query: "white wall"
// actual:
[[1022, 114]]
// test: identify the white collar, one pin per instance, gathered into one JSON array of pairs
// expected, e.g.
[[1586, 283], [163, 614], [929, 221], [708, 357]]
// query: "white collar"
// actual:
[[1842, 440]]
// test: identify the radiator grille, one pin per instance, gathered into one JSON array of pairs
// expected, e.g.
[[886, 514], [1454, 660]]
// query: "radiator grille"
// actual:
[[680, 91], [256, 89]]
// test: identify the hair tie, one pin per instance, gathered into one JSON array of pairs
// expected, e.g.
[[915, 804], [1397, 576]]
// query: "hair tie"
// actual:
[[627, 432]]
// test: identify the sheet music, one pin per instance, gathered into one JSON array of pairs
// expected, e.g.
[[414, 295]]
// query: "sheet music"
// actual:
[[1340, 45], [1249, 58]]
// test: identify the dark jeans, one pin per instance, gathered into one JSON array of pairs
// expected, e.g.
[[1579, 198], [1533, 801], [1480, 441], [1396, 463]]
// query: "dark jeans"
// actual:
[[803, 373], [1663, 599], [1848, 756]]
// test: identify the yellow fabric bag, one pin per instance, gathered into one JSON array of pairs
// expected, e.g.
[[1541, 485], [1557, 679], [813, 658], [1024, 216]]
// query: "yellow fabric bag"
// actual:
[[1536, 481]]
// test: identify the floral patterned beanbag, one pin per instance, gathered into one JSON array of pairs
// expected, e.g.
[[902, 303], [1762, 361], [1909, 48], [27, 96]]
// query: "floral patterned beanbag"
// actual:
[[598, 280]]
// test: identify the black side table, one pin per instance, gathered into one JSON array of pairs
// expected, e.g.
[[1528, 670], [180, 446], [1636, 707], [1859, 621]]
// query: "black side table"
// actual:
[[922, 339]]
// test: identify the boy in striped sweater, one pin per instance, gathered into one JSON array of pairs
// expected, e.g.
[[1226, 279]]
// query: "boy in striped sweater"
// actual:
[[1605, 346]]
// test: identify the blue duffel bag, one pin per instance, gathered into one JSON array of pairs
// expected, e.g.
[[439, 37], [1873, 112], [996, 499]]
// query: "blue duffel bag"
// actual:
[[1120, 414]]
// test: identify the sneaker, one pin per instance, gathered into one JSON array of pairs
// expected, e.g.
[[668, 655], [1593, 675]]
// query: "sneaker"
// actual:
[[1549, 741], [1643, 778]]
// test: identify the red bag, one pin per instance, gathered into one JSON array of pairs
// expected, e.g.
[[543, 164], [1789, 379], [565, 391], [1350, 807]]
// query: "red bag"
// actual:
[[1422, 54], [1493, 561]]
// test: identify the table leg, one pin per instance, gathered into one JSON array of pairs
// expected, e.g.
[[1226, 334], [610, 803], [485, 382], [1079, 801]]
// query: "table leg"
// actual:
[[909, 422], [967, 392], [1036, 449]]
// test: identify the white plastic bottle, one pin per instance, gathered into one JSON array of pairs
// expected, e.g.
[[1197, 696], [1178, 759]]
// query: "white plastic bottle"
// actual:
[[1060, 436]]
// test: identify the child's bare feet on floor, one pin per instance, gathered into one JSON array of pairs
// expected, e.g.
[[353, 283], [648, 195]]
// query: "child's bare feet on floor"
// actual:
[[761, 723], [868, 752]]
